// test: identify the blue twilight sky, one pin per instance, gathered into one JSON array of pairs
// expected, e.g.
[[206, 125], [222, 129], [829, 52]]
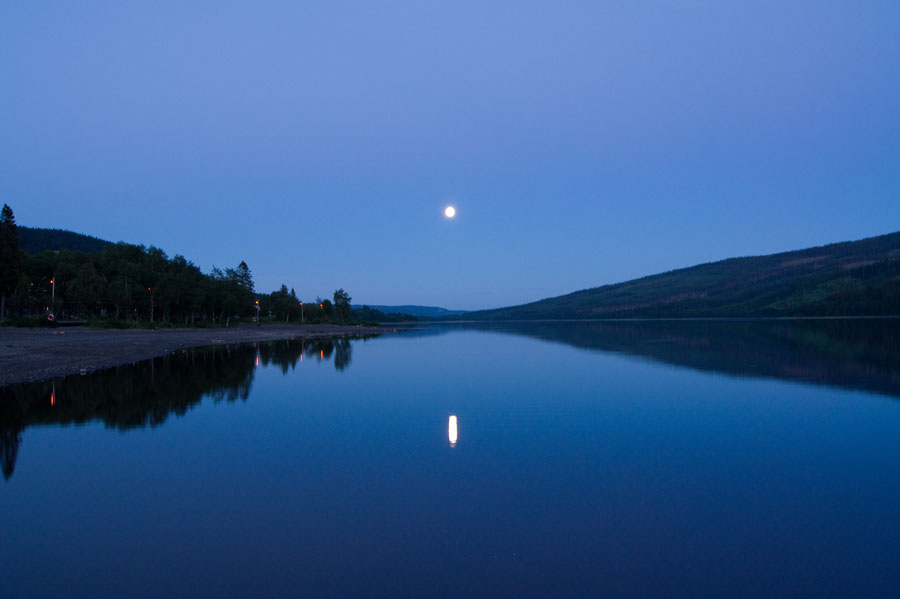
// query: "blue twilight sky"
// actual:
[[582, 143]]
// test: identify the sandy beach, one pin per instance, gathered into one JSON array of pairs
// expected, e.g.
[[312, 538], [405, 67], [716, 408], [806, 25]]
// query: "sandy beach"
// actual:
[[40, 354]]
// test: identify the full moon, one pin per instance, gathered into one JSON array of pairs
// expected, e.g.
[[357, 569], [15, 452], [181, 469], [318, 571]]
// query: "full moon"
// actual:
[[449, 211]]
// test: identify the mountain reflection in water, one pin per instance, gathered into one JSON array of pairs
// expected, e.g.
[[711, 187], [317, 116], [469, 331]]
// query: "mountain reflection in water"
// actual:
[[147, 393], [859, 354]]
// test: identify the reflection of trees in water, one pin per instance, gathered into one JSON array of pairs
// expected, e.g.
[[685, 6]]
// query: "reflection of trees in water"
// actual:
[[147, 393], [9, 446], [284, 354], [325, 347], [11, 427], [342, 354]]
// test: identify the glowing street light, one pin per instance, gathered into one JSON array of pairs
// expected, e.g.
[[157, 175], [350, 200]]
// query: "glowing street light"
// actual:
[[301, 319], [257, 313]]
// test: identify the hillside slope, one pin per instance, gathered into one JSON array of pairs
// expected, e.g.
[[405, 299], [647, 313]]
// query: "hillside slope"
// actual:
[[35, 240], [854, 278], [425, 311]]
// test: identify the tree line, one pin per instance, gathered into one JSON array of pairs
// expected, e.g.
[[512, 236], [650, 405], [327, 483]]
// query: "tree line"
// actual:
[[129, 284]]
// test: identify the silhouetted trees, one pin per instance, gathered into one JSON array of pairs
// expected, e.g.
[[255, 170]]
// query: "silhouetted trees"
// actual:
[[35, 240], [133, 283], [10, 257], [283, 305], [342, 305], [125, 284]]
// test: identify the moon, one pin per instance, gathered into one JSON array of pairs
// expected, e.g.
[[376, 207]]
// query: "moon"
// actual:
[[449, 211]]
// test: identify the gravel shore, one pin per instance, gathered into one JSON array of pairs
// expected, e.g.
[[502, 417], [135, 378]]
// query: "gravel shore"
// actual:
[[41, 354]]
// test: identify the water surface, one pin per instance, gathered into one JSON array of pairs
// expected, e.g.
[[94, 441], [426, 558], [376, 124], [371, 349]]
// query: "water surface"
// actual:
[[694, 458]]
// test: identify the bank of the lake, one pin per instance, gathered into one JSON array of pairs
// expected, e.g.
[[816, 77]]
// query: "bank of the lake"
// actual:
[[40, 354]]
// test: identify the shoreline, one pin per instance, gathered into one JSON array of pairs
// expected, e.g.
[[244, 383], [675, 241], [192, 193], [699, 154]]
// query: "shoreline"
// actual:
[[33, 355]]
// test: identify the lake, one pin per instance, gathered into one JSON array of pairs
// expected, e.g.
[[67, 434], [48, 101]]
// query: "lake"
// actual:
[[533, 459]]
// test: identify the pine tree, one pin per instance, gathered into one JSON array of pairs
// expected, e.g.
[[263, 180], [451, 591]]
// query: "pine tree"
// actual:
[[10, 256], [243, 277]]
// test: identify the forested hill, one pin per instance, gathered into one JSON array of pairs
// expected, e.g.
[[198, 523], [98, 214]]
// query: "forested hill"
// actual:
[[62, 275], [423, 311], [34, 240], [854, 278]]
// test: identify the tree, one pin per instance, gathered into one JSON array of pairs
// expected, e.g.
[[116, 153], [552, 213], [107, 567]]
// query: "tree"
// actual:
[[342, 305], [10, 256], [242, 276], [243, 280], [327, 309], [282, 303], [86, 289]]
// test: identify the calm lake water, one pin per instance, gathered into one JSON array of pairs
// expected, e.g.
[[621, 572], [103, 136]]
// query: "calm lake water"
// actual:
[[655, 458]]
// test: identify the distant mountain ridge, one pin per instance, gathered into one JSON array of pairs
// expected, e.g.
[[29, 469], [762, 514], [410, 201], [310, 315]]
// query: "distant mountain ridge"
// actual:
[[422, 311], [853, 278], [34, 240]]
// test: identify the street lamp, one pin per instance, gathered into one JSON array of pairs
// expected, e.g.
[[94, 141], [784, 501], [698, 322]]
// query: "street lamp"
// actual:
[[257, 313], [52, 295], [301, 315]]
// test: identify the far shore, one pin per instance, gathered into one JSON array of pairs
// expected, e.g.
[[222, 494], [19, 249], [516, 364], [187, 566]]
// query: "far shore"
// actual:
[[39, 354]]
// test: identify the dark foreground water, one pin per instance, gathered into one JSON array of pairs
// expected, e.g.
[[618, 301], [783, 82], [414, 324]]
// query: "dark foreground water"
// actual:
[[636, 459]]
